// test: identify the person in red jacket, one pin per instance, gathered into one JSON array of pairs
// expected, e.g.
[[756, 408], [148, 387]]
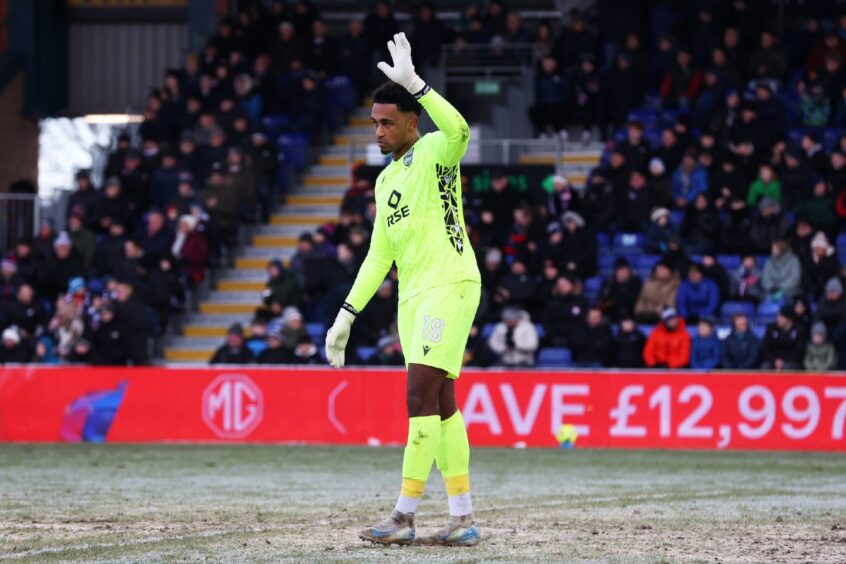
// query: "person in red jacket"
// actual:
[[190, 247], [668, 346]]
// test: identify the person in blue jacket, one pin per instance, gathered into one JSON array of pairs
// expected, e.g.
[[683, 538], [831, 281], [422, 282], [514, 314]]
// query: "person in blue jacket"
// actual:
[[705, 348], [689, 180], [741, 349], [698, 296]]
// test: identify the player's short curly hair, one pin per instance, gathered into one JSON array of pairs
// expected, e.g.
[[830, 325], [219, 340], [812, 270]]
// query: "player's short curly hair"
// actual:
[[392, 93]]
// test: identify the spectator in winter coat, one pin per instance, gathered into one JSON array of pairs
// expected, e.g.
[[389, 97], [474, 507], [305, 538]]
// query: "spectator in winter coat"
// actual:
[[820, 355], [564, 311], [10, 281], [784, 343], [191, 249], [548, 113], [681, 85], [592, 341], [27, 313], [769, 60], [83, 202], [766, 185], [768, 226], [635, 204], [83, 240], [628, 345], [516, 288], [820, 266], [697, 296], [388, 352], [831, 309], [579, 247], [276, 352], [660, 231], [746, 280], [689, 180], [234, 351], [818, 207], [14, 350], [705, 347], [618, 294], [782, 274], [514, 339], [659, 291], [108, 342], [134, 321], [282, 287], [63, 265], [701, 227], [741, 348], [477, 352], [668, 346]]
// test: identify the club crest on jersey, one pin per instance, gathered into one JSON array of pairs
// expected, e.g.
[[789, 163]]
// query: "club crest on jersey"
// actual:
[[406, 160]]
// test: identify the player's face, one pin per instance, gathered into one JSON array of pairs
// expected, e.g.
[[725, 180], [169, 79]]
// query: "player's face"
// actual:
[[393, 128]]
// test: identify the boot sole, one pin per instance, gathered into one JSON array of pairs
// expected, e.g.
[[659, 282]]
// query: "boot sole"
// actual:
[[386, 542]]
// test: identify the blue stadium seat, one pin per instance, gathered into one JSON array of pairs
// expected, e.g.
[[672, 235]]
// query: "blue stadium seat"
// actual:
[[768, 309], [730, 309], [364, 353], [841, 243], [729, 262], [628, 243], [540, 330], [759, 331], [487, 329], [293, 146], [647, 262], [603, 240], [317, 331], [592, 286], [606, 261], [555, 357]]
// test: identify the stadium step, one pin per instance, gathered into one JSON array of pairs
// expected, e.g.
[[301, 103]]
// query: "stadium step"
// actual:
[[306, 220], [338, 160], [241, 285], [327, 180], [229, 307], [188, 355], [310, 199], [274, 241]]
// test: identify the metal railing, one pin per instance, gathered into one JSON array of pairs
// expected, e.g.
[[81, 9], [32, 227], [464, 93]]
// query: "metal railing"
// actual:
[[22, 214], [483, 151]]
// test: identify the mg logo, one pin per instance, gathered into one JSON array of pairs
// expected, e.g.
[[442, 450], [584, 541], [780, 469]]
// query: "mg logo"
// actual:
[[232, 406]]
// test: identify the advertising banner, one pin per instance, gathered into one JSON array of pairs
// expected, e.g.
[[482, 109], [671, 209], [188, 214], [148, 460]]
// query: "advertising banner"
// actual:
[[668, 409]]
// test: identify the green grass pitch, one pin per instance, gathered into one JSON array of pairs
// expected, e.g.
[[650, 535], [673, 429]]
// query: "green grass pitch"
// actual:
[[62, 503]]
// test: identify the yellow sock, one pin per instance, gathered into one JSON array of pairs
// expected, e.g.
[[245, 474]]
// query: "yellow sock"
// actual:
[[454, 463], [424, 435]]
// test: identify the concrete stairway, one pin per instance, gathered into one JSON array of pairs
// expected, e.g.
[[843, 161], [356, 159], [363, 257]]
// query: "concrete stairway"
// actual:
[[316, 200]]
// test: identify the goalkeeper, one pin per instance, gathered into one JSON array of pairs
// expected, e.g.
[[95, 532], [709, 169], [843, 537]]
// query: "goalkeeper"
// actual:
[[420, 226]]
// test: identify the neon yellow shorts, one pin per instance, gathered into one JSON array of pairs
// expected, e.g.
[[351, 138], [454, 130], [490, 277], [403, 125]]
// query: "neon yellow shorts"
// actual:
[[434, 325]]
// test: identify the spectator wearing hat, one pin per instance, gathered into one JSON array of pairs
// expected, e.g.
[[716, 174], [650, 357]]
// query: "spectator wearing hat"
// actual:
[[629, 343], [831, 310], [768, 226], [820, 355], [66, 327], [800, 238], [619, 292], [668, 346], [108, 340], [705, 346], [293, 326], [282, 287], [257, 340], [564, 311], [697, 296], [63, 265], [514, 339], [784, 343], [741, 348], [701, 226], [820, 266], [14, 350], [562, 197], [579, 251], [305, 262], [239, 173], [234, 350], [221, 200], [164, 180], [635, 151], [782, 277], [388, 352], [660, 231], [659, 291], [133, 179], [187, 201], [592, 341], [689, 180], [276, 351], [306, 352], [190, 249], [83, 201], [661, 185], [134, 321]]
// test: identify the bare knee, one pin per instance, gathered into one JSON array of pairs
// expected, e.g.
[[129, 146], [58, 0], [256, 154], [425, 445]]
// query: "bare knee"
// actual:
[[424, 386]]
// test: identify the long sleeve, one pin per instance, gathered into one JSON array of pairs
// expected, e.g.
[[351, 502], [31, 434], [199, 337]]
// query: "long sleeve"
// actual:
[[454, 133], [373, 270]]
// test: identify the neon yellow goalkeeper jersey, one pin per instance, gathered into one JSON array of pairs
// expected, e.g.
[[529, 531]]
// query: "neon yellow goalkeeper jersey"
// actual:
[[419, 216]]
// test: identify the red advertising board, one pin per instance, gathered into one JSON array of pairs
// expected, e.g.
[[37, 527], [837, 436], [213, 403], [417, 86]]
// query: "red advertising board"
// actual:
[[501, 408]]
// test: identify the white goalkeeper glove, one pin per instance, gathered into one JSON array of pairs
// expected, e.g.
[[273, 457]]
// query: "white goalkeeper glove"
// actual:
[[403, 70], [338, 335]]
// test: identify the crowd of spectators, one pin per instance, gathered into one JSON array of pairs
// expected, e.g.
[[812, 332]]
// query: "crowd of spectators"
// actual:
[[715, 175]]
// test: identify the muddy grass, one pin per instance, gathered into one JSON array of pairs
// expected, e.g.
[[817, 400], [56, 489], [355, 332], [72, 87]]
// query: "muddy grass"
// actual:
[[227, 504]]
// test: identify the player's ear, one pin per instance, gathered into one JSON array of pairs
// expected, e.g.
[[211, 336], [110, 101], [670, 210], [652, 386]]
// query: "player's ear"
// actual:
[[413, 122]]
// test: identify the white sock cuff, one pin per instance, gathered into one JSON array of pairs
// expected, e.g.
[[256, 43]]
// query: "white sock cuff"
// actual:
[[407, 504], [460, 504]]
